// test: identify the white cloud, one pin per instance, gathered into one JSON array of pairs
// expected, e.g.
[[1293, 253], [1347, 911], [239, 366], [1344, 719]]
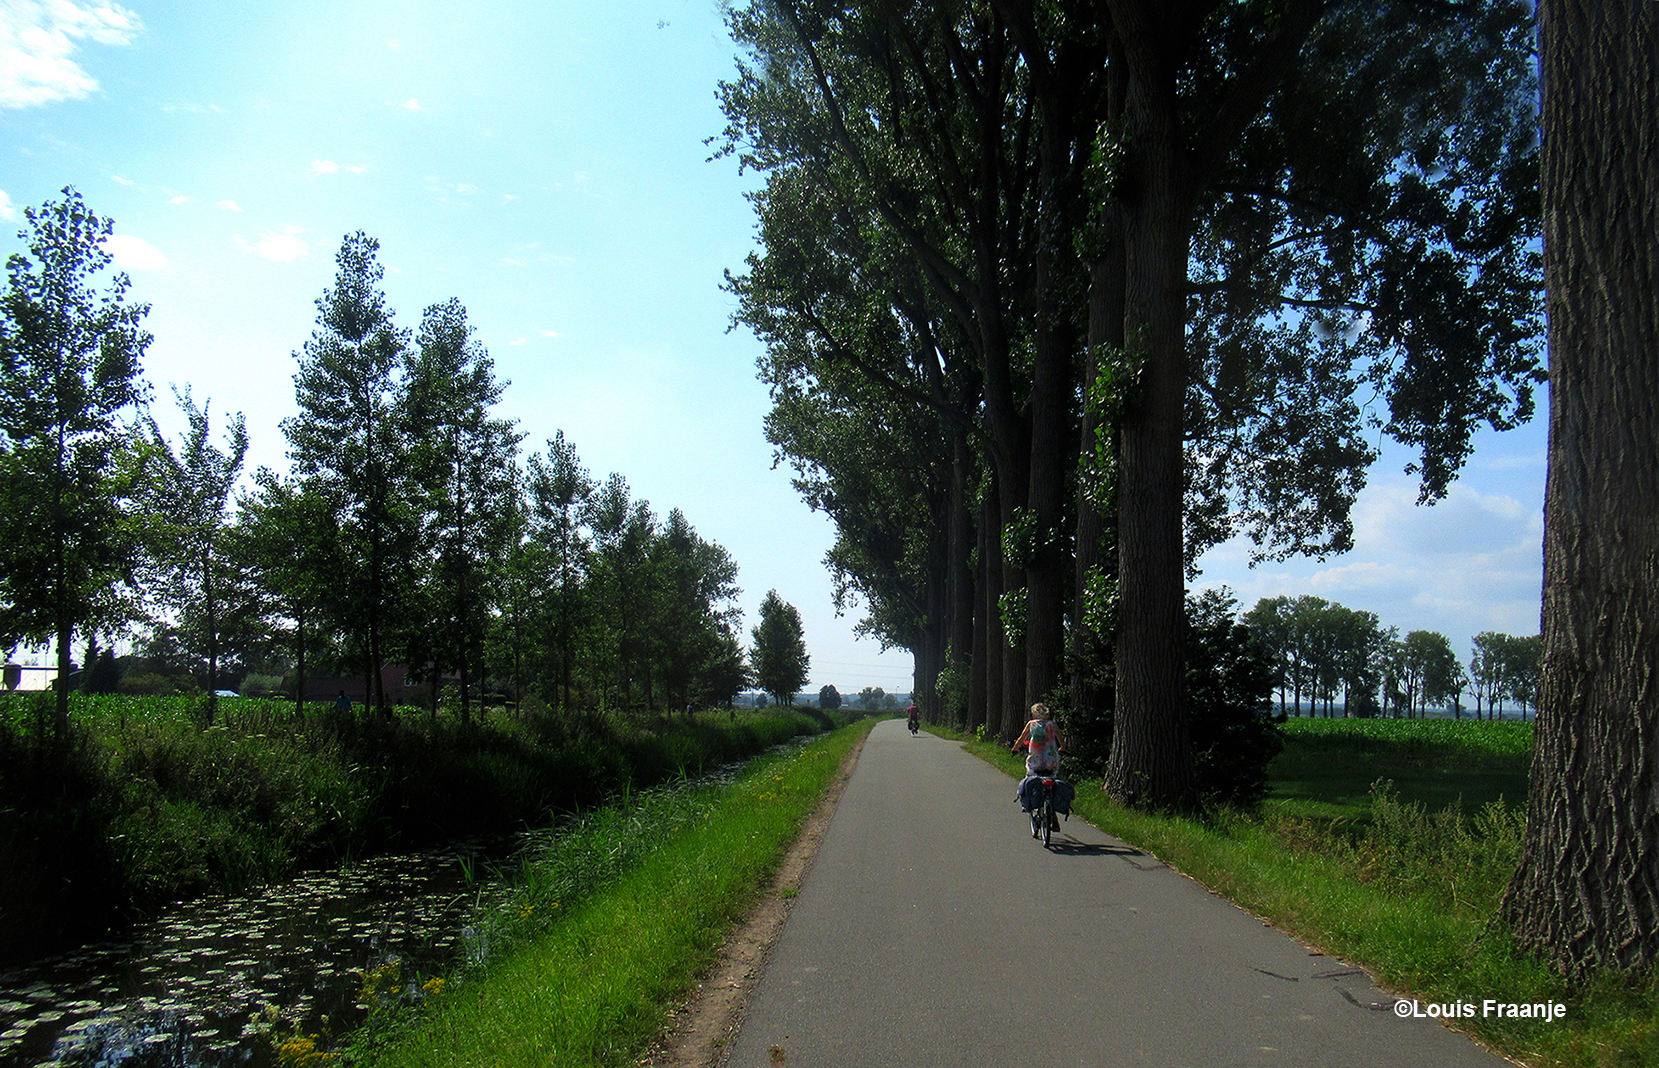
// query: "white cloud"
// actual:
[[285, 247], [120, 180], [180, 199], [38, 42], [508, 198], [1387, 518], [324, 166], [134, 253], [518, 341], [195, 109], [356, 168], [550, 333], [230, 205], [8, 210], [412, 104], [509, 261], [394, 44], [466, 189]]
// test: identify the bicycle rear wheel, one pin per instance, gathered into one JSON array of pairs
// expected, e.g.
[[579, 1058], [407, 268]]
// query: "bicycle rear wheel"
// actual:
[[1048, 819]]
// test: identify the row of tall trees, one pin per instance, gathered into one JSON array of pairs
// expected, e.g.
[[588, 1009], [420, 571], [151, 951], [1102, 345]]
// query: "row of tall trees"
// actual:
[[1333, 655], [407, 530], [1055, 296]]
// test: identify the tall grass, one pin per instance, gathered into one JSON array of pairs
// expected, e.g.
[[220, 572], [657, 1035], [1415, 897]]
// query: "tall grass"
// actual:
[[610, 923], [140, 804]]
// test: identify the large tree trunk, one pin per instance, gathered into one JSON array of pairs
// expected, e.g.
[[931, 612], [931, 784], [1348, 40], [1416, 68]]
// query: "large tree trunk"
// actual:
[[991, 555], [1151, 759], [1587, 892], [1088, 648], [980, 684], [1052, 453], [961, 573]]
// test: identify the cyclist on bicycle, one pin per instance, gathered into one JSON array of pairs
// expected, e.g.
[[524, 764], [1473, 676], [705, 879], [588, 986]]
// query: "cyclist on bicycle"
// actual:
[[915, 718], [1042, 742]]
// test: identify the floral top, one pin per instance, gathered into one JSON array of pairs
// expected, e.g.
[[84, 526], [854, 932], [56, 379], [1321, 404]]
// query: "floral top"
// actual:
[[1043, 755]]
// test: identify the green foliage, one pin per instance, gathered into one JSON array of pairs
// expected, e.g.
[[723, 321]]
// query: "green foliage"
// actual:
[[1444, 854], [138, 804], [197, 581], [829, 697], [1229, 687], [70, 470], [675, 872], [1419, 739], [465, 470], [951, 689], [779, 657], [1505, 668], [350, 447]]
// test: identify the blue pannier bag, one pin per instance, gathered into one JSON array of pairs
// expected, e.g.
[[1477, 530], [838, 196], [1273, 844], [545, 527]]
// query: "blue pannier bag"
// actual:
[[1031, 794], [1063, 794]]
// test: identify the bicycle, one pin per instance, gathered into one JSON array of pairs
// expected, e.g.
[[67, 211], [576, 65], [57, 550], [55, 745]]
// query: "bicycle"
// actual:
[[1043, 817]]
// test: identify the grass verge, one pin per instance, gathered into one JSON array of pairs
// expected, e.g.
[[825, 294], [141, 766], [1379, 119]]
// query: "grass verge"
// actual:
[[140, 805], [589, 984], [1403, 882]]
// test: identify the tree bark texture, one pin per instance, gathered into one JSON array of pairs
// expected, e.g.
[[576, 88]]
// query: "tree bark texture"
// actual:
[[961, 573], [991, 561], [1105, 331], [1587, 893], [979, 674], [1151, 760]]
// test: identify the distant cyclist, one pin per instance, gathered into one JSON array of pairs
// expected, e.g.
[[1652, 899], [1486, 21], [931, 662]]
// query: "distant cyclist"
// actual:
[[915, 718]]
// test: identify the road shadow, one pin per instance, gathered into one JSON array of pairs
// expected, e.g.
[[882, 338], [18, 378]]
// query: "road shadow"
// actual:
[[1071, 847]]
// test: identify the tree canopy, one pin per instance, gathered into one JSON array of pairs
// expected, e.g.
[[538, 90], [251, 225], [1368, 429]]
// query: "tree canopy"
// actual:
[[71, 468], [778, 657], [1251, 235]]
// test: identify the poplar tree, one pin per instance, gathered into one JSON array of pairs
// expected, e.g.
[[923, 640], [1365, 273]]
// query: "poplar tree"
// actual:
[[349, 443], [70, 467], [192, 491], [1586, 895], [778, 657], [465, 459], [287, 536], [560, 490]]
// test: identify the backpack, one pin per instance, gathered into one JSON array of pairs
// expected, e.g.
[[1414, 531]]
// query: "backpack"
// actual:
[[1039, 733]]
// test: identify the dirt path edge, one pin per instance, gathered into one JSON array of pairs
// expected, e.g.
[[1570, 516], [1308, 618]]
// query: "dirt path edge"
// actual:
[[700, 1031]]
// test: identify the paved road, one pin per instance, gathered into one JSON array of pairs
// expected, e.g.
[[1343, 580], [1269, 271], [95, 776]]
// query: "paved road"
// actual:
[[916, 941]]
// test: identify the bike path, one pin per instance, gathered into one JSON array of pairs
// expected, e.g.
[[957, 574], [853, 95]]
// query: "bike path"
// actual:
[[918, 939]]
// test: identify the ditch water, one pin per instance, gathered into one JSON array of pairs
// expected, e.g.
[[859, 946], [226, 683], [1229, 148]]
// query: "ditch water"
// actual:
[[220, 980], [212, 982]]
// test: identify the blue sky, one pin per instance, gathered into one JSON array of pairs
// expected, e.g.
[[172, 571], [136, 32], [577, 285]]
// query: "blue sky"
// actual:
[[544, 162]]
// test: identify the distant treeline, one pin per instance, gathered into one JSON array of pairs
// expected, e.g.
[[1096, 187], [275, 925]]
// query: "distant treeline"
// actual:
[[1322, 651]]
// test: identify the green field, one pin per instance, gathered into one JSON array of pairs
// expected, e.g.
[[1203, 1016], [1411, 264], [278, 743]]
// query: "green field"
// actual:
[[1329, 766]]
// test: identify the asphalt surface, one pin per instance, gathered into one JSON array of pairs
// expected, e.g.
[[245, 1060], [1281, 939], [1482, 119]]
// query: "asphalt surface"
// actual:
[[933, 930]]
